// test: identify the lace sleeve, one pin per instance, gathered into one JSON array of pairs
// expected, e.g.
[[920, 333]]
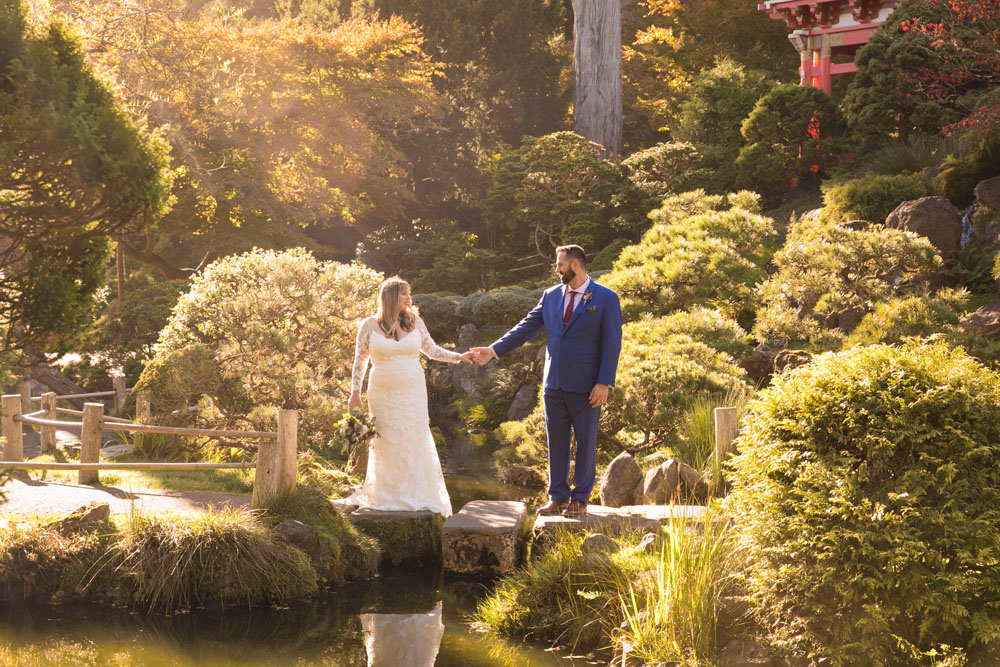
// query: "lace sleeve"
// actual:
[[431, 349], [361, 355]]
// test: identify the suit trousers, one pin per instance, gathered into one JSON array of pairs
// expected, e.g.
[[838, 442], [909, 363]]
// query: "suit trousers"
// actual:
[[568, 414]]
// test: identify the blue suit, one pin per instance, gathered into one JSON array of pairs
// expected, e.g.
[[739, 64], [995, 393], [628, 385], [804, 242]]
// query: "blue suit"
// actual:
[[578, 356]]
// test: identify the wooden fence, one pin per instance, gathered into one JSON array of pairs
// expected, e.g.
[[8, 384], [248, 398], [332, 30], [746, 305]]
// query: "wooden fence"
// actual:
[[276, 456]]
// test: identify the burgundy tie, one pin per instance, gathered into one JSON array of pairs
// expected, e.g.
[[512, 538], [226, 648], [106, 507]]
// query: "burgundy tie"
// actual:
[[569, 309]]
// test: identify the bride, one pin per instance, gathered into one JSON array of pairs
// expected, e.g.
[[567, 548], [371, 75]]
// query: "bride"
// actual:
[[404, 472]]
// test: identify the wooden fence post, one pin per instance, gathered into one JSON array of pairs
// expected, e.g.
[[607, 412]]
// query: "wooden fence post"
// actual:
[[143, 410], [13, 449], [90, 441], [24, 389], [277, 462], [725, 432], [118, 382], [49, 432]]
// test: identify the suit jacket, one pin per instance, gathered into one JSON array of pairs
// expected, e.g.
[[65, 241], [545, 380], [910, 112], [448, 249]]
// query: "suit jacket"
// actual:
[[580, 354]]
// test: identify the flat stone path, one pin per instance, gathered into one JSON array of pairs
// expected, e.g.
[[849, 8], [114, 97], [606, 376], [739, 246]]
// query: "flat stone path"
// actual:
[[631, 517], [483, 538], [27, 496]]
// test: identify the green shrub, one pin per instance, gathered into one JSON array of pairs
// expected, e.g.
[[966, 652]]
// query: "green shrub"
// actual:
[[673, 599], [718, 101], [872, 197], [664, 169], [698, 252], [925, 316], [782, 139], [557, 189], [865, 499], [829, 277], [711, 328], [260, 331], [660, 372]]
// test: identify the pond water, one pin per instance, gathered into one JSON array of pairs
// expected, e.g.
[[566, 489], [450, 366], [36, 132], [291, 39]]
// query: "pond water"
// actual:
[[402, 619]]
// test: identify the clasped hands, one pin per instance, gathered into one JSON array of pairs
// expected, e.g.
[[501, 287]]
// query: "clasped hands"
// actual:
[[483, 355]]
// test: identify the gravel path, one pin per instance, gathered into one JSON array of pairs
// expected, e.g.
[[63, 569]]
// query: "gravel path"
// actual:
[[27, 496]]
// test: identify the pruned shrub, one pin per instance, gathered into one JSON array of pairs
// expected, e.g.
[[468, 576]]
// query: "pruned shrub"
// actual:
[[830, 276], [659, 374], [711, 328], [872, 197], [865, 498], [702, 249], [260, 331]]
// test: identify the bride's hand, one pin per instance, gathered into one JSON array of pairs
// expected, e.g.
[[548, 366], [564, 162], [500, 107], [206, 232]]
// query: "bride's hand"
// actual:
[[467, 357], [354, 402]]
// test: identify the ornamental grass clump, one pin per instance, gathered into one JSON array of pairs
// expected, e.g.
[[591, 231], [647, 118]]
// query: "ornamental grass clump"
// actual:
[[664, 603], [171, 562], [867, 500]]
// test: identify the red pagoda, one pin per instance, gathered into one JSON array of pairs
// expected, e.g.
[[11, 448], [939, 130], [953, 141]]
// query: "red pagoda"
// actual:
[[827, 33]]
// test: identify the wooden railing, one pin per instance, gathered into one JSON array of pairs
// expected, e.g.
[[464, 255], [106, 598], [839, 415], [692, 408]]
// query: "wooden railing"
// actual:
[[276, 455]]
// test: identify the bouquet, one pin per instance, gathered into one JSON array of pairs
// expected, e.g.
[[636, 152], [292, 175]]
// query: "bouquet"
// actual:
[[356, 428]]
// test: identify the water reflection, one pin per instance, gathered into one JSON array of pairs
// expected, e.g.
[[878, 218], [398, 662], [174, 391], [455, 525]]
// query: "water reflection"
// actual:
[[403, 640], [409, 618]]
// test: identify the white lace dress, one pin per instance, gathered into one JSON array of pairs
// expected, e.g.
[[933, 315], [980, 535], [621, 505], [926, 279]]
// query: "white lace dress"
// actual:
[[404, 472]]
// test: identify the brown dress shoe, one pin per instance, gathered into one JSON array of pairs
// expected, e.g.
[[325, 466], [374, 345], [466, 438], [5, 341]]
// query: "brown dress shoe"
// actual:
[[551, 508], [575, 508]]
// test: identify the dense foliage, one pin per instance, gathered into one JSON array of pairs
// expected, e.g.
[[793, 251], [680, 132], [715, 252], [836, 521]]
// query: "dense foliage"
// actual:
[[865, 496], [829, 276], [263, 330], [73, 170], [790, 135], [660, 373], [872, 197], [702, 249], [274, 125]]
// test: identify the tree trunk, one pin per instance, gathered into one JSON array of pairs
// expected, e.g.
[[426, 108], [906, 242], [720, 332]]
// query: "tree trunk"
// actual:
[[120, 269], [597, 67], [57, 382]]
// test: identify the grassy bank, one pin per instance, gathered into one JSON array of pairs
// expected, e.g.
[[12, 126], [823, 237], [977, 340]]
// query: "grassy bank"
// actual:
[[170, 562], [663, 603]]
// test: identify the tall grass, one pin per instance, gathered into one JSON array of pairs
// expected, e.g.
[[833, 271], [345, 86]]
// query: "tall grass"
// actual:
[[170, 562], [669, 599], [696, 438], [674, 616]]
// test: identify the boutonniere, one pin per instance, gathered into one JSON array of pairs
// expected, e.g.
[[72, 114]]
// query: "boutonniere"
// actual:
[[587, 296]]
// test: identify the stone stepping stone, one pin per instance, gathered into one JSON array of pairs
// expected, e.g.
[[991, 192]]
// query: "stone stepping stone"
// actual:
[[404, 538], [483, 539], [611, 520]]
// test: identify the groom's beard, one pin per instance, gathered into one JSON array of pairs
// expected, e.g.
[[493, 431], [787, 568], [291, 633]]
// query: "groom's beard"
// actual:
[[568, 277]]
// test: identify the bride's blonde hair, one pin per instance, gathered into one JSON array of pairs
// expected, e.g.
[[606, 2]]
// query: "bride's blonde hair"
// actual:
[[389, 314]]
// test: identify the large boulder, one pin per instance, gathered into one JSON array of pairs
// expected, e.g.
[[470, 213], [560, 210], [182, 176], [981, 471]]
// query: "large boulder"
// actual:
[[524, 403], [760, 363], [934, 218], [465, 377], [619, 481], [788, 359], [988, 193], [86, 519], [673, 481], [661, 482], [983, 322]]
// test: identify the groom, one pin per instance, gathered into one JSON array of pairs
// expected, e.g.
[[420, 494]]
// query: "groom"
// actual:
[[583, 325]]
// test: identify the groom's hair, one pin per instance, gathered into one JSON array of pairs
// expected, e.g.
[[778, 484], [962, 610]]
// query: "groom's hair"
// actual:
[[573, 252]]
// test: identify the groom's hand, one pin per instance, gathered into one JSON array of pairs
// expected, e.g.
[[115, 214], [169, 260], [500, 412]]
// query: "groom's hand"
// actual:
[[598, 395], [483, 355]]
